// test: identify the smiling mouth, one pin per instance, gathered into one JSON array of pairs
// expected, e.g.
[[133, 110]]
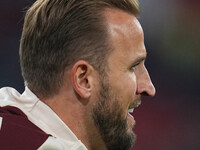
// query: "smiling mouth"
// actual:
[[132, 107]]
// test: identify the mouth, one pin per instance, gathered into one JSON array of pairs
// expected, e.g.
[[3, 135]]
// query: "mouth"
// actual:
[[134, 105], [130, 111]]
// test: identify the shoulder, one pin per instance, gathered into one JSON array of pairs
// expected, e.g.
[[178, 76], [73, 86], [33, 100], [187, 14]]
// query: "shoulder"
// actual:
[[17, 132]]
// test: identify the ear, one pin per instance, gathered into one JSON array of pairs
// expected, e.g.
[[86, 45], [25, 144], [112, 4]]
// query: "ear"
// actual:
[[81, 76]]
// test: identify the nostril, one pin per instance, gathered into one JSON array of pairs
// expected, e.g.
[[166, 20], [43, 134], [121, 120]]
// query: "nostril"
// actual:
[[150, 91], [145, 94]]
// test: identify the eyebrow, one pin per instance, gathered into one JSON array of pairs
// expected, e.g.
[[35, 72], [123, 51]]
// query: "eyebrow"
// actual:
[[140, 59]]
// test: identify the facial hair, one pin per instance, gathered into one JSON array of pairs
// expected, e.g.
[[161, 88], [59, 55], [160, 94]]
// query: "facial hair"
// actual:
[[109, 118]]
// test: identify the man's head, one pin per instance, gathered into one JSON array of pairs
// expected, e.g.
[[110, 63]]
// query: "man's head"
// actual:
[[101, 44], [57, 33]]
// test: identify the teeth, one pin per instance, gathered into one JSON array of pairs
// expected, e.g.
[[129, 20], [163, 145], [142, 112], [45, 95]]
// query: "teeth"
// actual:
[[131, 110]]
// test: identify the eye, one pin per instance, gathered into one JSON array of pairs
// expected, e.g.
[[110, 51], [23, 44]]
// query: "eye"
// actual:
[[134, 67]]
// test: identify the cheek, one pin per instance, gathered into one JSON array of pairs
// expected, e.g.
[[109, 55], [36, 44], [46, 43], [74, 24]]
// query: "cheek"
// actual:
[[132, 83], [128, 90], [128, 93], [128, 85], [124, 87]]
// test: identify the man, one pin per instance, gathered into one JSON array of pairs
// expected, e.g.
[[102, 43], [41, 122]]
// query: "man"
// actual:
[[83, 66]]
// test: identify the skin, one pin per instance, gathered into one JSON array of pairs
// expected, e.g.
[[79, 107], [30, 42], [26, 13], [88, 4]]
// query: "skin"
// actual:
[[126, 63], [127, 77]]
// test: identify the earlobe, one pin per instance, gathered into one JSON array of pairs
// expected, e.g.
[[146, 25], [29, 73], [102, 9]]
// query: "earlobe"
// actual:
[[80, 76]]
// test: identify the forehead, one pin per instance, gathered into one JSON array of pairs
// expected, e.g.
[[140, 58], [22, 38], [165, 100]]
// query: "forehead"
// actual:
[[125, 35], [120, 20]]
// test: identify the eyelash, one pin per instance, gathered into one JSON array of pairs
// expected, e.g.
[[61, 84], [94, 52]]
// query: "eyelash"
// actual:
[[134, 66]]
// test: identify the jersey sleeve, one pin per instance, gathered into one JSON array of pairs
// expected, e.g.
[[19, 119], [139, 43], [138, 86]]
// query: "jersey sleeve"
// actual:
[[17, 132]]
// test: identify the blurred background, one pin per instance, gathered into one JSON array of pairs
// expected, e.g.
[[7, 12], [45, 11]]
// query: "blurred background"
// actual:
[[170, 120]]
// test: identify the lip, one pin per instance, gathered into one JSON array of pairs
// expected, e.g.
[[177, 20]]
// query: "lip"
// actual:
[[130, 115], [131, 120], [133, 105]]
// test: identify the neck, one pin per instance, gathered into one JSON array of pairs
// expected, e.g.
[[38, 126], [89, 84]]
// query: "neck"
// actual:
[[78, 117]]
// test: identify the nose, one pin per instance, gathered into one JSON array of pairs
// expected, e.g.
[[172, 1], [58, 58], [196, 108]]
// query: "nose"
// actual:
[[144, 84]]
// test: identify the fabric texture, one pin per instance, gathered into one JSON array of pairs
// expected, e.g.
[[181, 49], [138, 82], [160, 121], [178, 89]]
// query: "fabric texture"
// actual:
[[25, 116], [17, 132]]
